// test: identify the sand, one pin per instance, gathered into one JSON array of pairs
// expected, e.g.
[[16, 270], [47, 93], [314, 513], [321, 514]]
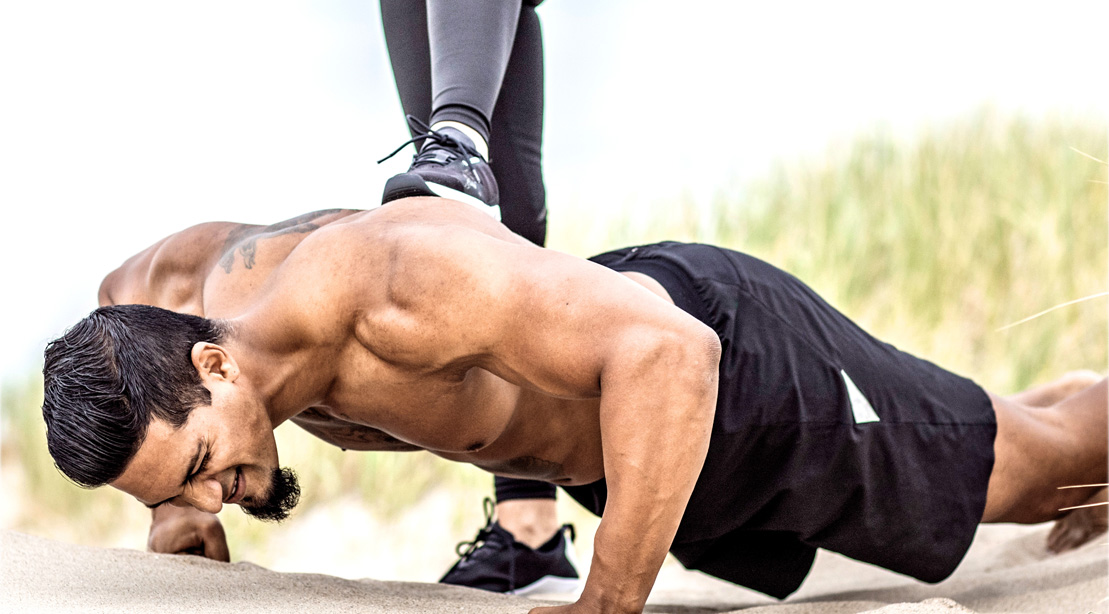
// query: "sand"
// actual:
[[1007, 570]]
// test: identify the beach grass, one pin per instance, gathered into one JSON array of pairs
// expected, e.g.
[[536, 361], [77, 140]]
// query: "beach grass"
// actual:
[[933, 242]]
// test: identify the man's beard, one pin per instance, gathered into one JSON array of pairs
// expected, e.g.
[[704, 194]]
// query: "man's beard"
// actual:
[[283, 495]]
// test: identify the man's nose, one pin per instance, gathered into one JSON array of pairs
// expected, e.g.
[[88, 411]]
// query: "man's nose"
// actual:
[[204, 495]]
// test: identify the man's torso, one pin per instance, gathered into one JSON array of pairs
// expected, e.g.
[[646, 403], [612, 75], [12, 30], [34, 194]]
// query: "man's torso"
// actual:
[[375, 400]]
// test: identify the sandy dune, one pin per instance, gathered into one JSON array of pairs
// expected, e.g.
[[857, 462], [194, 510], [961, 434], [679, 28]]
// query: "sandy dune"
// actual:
[[1007, 570]]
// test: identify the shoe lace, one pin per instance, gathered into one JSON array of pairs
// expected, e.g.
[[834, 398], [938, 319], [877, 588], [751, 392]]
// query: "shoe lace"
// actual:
[[464, 549], [427, 154], [573, 533]]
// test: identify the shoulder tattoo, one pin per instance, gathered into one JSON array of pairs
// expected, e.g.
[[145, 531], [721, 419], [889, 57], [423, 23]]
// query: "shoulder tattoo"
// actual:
[[244, 239]]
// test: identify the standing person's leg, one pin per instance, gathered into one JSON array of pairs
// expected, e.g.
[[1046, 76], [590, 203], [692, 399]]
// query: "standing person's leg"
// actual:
[[471, 41], [449, 59], [525, 508], [517, 133], [468, 47], [406, 36]]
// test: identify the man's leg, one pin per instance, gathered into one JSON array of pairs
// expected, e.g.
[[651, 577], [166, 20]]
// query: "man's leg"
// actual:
[[1038, 451], [1056, 390]]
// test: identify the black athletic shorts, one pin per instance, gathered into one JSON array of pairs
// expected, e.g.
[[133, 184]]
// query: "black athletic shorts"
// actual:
[[824, 437]]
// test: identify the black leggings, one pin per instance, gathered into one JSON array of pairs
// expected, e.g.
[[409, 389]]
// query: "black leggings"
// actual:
[[480, 62]]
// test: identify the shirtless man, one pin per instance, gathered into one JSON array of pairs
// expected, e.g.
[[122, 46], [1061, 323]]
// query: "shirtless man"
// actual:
[[425, 324]]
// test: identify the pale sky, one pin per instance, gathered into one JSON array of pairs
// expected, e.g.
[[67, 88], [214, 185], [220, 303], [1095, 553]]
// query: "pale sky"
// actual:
[[124, 121]]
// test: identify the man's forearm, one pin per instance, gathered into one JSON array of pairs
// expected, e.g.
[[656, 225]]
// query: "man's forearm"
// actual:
[[656, 419]]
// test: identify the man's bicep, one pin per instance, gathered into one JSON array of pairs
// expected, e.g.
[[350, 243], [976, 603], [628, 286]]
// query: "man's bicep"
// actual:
[[552, 321]]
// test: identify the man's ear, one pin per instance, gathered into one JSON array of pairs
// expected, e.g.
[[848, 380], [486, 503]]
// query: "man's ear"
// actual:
[[213, 362]]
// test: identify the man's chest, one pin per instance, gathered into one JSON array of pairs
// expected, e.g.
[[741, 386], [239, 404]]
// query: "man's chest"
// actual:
[[348, 435], [437, 412]]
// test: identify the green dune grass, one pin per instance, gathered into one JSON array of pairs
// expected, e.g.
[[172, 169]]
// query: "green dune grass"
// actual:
[[932, 243]]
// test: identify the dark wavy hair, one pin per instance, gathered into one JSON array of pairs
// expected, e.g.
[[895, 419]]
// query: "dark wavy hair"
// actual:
[[106, 378]]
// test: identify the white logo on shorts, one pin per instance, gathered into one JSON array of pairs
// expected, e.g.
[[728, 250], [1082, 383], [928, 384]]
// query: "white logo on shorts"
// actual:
[[860, 407]]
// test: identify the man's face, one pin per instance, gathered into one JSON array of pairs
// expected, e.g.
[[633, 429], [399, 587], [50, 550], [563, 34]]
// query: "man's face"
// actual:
[[224, 453]]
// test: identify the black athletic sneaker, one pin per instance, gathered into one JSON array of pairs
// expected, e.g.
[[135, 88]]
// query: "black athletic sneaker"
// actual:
[[447, 165], [495, 561]]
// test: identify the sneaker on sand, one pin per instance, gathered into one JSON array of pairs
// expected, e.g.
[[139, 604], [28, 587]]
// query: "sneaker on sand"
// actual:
[[447, 165], [495, 561]]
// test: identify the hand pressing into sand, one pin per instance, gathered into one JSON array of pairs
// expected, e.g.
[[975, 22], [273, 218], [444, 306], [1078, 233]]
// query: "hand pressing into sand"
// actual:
[[570, 608], [186, 530]]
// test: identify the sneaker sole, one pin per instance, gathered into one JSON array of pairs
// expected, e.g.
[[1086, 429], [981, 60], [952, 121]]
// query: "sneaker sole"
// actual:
[[549, 585], [404, 187]]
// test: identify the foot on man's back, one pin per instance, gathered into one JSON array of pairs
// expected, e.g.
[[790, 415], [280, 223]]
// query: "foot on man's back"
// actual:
[[447, 165], [495, 561]]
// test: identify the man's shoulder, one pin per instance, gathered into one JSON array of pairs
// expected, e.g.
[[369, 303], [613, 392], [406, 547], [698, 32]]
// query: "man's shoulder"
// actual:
[[384, 267], [169, 273], [409, 255], [399, 236], [172, 272]]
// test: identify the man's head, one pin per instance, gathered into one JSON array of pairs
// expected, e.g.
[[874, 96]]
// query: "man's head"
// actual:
[[148, 401]]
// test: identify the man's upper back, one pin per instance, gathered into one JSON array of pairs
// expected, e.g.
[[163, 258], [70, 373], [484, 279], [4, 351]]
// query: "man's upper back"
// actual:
[[210, 269]]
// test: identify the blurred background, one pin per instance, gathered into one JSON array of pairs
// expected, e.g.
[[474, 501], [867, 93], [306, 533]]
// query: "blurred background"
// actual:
[[935, 171]]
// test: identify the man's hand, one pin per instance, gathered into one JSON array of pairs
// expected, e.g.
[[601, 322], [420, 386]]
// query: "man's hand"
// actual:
[[578, 607], [569, 608], [186, 530]]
